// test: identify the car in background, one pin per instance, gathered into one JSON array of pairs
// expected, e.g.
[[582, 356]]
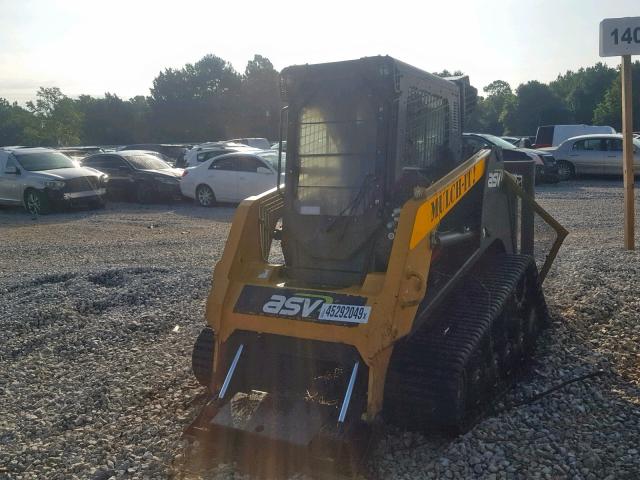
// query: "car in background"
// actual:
[[172, 151], [261, 143], [205, 151], [137, 175], [512, 140], [545, 163], [593, 154], [553, 135], [231, 177], [79, 153], [520, 142], [276, 146], [41, 179]]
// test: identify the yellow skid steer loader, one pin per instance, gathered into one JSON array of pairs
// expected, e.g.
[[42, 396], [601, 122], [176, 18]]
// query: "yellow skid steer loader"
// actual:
[[405, 290]]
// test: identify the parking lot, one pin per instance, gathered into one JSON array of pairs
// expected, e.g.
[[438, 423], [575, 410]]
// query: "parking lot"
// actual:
[[100, 309]]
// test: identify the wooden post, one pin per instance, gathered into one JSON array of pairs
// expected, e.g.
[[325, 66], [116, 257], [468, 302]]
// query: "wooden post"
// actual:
[[627, 155]]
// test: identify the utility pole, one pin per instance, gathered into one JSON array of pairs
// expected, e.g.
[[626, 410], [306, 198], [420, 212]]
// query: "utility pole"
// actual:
[[621, 36]]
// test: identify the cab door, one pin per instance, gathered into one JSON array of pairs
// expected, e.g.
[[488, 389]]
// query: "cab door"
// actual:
[[587, 156]]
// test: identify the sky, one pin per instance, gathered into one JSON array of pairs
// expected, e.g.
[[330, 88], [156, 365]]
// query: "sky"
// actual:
[[120, 46]]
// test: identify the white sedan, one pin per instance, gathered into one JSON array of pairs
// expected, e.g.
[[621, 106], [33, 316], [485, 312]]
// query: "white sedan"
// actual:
[[593, 154], [231, 177]]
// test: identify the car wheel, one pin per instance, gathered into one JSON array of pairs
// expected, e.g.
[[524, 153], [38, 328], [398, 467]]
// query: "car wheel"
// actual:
[[144, 193], [36, 202], [565, 170], [205, 196]]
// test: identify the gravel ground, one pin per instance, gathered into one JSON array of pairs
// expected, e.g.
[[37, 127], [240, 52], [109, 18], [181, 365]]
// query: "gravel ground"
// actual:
[[99, 311]]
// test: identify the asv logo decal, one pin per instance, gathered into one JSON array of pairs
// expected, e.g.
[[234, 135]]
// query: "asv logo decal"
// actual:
[[495, 179], [302, 304]]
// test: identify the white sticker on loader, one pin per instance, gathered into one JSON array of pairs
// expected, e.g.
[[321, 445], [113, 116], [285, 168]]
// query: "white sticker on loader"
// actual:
[[335, 312]]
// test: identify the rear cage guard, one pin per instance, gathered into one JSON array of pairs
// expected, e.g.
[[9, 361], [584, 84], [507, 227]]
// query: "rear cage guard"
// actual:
[[529, 201]]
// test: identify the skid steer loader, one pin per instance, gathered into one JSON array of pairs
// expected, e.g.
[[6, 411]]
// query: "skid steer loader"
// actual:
[[405, 291]]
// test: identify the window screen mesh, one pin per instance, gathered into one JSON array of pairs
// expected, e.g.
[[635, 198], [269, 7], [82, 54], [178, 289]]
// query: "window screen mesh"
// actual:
[[336, 150], [427, 129]]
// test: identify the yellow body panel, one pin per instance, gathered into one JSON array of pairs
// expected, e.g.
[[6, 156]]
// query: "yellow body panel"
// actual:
[[431, 212], [394, 296]]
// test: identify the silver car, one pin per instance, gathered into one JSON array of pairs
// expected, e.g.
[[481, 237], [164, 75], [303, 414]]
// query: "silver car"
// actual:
[[599, 154], [41, 179]]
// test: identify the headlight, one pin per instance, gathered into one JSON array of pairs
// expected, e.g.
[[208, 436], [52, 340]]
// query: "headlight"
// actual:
[[54, 184], [104, 179]]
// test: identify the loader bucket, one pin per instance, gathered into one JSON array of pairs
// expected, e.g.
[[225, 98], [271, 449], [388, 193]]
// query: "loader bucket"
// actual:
[[295, 426], [276, 437]]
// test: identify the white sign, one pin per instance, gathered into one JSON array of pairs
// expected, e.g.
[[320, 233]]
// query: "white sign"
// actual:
[[620, 36]]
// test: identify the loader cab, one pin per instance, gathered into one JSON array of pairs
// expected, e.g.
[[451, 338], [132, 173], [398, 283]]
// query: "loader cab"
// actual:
[[361, 135]]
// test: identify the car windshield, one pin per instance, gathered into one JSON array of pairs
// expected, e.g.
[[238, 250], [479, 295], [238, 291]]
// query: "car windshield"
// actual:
[[36, 162], [497, 141], [272, 159], [147, 162]]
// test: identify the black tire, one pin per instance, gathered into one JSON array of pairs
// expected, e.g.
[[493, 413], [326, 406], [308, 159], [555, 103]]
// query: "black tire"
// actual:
[[202, 357], [205, 196], [144, 193], [36, 202], [566, 170]]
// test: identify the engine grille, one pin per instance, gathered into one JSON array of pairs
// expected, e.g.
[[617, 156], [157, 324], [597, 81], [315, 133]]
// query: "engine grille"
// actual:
[[81, 184]]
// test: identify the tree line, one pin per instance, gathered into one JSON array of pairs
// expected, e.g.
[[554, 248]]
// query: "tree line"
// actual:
[[589, 95], [210, 100]]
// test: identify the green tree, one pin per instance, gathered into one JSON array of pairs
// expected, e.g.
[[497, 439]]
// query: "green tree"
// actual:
[[583, 90], [498, 88], [111, 120], [609, 110], [499, 94], [260, 96], [533, 105], [59, 119], [196, 102], [18, 126], [487, 116]]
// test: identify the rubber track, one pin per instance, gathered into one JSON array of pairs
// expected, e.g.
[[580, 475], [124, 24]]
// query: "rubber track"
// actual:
[[427, 369], [202, 356]]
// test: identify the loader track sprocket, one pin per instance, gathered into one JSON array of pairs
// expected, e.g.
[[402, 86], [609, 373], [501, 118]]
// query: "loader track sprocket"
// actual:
[[446, 374]]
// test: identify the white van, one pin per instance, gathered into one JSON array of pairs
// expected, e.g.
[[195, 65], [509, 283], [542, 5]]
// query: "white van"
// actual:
[[552, 135], [261, 143]]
